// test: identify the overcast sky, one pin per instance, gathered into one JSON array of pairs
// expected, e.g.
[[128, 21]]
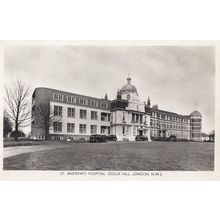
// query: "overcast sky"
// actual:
[[178, 79]]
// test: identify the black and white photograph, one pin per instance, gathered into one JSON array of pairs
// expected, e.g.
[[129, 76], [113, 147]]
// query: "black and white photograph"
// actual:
[[109, 110], [109, 107]]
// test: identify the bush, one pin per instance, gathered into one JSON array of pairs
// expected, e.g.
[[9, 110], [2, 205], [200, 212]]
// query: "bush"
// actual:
[[20, 134]]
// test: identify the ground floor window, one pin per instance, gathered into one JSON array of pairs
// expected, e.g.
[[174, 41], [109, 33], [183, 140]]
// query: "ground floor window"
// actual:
[[57, 127], [57, 138], [82, 128], [93, 129], [70, 128], [103, 129]]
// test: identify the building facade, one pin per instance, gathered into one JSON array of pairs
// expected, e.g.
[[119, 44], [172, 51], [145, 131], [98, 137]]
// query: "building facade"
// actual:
[[75, 116]]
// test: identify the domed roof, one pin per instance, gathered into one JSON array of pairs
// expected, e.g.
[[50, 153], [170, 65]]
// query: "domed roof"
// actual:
[[195, 114], [128, 87]]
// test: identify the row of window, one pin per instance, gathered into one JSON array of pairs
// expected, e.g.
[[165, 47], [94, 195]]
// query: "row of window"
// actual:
[[155, 133], [168, 117], [57, 128], [82, 101], [166, 124], [58, 111], [138, 118]]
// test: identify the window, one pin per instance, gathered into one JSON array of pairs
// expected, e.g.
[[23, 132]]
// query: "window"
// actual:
[[94, 103], [123, 130], [133, 117], [58, 110], [94, 115], [82, 128], [123, 119], [83, 114], [93, 129], [137, 118], [128, 97], [103, 129], [70, 128], [111, 118], [57, 127], [71, 112], [71, 99], [57, 97], [83, 101], [105, 116], [104, 105], [141, 118]]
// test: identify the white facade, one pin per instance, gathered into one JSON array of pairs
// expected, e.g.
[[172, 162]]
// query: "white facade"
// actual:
[[102, 125], [133, 120]]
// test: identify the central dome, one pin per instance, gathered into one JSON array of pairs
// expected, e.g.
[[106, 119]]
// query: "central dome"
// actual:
[[195, 114], [128, 88]]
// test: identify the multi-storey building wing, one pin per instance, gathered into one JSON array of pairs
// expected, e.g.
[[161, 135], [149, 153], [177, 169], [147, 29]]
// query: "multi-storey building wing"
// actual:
[[71, 115], [165, 124], [77, 116]]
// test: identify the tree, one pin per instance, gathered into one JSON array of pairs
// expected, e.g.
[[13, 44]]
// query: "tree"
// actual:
[[17, 105], [7, 126], [44, 118]]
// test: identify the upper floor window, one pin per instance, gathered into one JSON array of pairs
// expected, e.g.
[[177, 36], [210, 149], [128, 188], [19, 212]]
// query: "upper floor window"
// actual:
[[71, 112], [105, 116], [71, 99], [83, 114], [58, 110], [94, 103], [104, 105], [94, 115], [128, 97], [57, 97], [123, 119], [83, 101]]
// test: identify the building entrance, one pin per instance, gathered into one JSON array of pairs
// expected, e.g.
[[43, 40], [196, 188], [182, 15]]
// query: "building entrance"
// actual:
[[141, 132]]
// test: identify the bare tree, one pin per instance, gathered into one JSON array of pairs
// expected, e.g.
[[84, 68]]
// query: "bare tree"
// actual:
[[17, 105], [44, 118]]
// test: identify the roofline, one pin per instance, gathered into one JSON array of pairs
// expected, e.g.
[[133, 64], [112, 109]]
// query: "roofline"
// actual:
[[173, 113], [106, 100]]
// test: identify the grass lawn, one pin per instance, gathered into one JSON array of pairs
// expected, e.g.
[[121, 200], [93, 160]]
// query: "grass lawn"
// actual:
[[130, 156], [10, 142]]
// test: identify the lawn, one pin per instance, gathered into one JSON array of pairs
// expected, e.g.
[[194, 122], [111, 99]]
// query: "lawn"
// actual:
[[130, 156]]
